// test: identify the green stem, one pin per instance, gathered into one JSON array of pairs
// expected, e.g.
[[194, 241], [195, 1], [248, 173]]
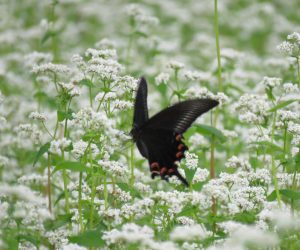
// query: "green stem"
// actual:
[[130, 42], [54, 33], [79, 201], [214, 120], [67, 206], [216, 26], [93, 194], [298, 68], [105, 192], [177, 84], [49, 184], [274, 169], [91, 98], [132, 165]]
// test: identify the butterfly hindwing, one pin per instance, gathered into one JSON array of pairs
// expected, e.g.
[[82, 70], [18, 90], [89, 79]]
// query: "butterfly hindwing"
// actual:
[[140, 106], [163, 149]]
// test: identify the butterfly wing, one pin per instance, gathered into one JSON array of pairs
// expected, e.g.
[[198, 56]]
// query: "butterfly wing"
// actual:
[[163, 148], [160, 138], [179, 117], [141, 116]]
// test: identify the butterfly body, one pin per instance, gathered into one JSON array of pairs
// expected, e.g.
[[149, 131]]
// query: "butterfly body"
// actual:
[[159, 138]]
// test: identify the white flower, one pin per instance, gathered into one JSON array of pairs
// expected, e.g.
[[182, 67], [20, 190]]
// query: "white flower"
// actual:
[[140, 16], [271, 82], [73, 247], [102, 53], [21, 192], [290, 88], [81, 147], [260, 175], [293, 128], [221, 98], [198, 92], [50, 68], [56, 146], [287, 48], [235, 162], [200, 175], [191, 232], [184, 220], [252, 108], [248, 198], [105, 43], [102, 96], [162, 78], [215, 189], [35, 58], [88, 119], [130, 233], [287, 115], [114, 167], [121, 105], [175, 65], [191, 160], [242, 235], [197, 76], [104, 68], [32, 179], [37, 116], [198, 140], [231, 54]]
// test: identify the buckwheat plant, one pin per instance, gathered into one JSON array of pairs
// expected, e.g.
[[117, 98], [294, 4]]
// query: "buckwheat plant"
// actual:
[[71, 177]]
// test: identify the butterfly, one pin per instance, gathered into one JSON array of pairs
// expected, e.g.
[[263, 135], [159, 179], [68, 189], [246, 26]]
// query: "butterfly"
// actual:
[[159, 138]]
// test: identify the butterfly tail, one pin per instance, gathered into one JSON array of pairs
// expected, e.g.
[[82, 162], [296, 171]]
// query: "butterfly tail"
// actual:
[[181, 178]]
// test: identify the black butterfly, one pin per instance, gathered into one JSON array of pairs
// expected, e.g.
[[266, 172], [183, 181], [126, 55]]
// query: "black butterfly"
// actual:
[[159, 139]]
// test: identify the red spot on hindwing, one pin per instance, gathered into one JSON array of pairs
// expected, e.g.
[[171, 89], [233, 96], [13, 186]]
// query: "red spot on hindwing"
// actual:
[[179, 155], [163, 171], [178, 137]]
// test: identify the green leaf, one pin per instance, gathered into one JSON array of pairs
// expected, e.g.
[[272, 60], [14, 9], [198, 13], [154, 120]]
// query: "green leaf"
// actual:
[[62, 115], [47, 35], [141, 34], [91, 238], [60, 196], [43, 149], [282, 105], [270, 94], [71, 165], [245, 217], [189, 174], [86, 82], [27, 237], [125, 187], [209, 130], [291, 194], [60, 221], [270, 147], [188, 210]]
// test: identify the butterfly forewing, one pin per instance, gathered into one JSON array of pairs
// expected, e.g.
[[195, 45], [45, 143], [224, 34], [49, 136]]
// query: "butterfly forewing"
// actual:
[[179, 117], [140, 106]]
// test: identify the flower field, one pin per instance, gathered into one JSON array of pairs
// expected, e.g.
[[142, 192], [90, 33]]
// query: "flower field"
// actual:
[[72, 178]]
